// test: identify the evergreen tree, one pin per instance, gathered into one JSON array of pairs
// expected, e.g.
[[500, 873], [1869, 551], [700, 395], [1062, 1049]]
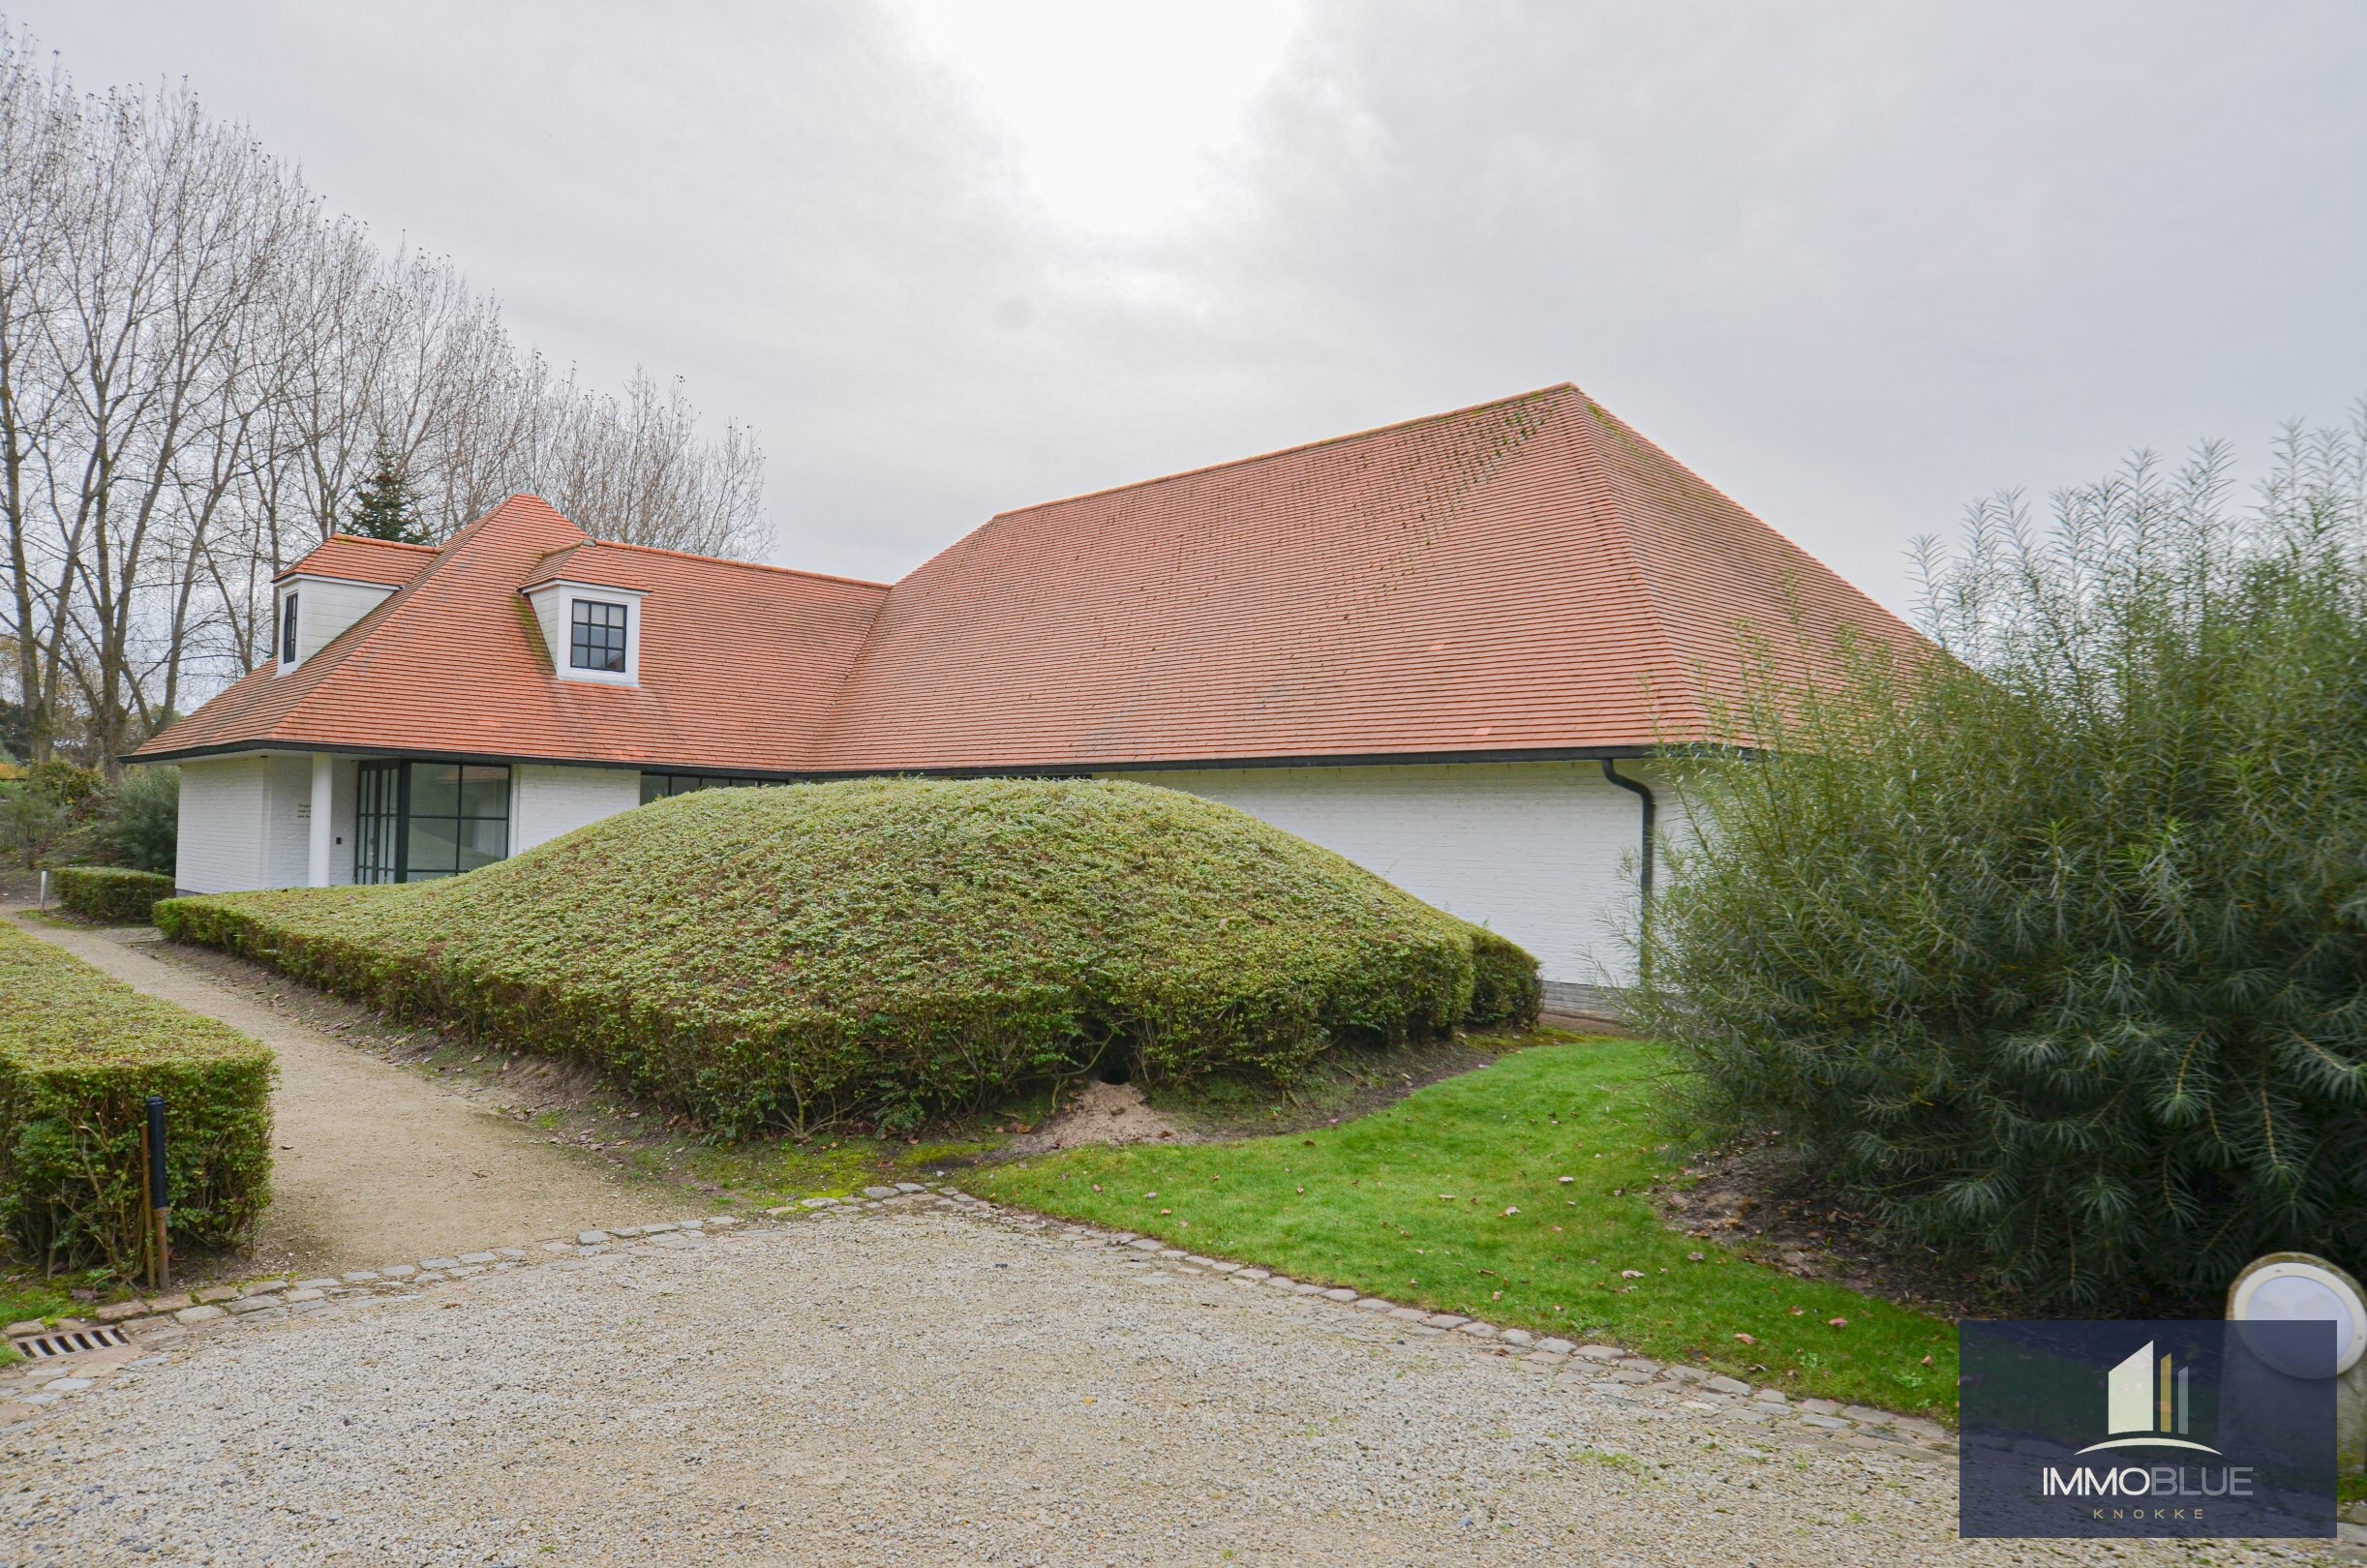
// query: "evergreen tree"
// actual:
[[382, 507]]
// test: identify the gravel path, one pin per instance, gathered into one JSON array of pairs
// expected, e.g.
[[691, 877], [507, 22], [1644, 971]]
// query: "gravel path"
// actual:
[[927, 1380], [373, 1161]]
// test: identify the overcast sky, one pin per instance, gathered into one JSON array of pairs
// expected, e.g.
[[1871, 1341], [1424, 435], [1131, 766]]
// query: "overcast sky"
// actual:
[[1854, 264]]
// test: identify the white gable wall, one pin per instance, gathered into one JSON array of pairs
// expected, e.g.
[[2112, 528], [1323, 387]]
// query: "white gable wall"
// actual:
[[1541, 852], [548, 802]]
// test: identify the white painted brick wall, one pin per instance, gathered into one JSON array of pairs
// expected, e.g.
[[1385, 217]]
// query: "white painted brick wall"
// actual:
[[287, 820], [345, 776], [1541, 852], [222, 826], [547, 802]]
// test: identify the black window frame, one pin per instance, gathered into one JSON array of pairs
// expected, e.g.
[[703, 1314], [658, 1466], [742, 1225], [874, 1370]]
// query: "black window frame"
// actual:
[[609, 638], [378, 823], [665, 785], [287, 627], [461, 817], [386, 796]]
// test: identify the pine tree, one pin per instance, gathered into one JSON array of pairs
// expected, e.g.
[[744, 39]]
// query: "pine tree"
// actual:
[[382, 507]]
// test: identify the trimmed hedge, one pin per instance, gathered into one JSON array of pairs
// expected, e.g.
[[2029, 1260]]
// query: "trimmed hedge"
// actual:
[[79, 1055], [888, 947], [113, 893]]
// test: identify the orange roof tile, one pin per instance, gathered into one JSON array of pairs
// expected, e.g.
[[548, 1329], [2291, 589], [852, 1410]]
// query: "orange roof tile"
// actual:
[[1521, 576], [1527, 576], [739, 664], [355, 559]]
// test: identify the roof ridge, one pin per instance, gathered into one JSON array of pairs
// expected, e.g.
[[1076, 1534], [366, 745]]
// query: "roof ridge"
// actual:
[[592, 541], [1390, 428], [373, 540], [1654, 603]]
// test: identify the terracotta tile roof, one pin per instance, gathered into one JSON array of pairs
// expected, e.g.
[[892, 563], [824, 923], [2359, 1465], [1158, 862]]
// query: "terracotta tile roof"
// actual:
[[738, 663], [1524, 575], [388, 562]]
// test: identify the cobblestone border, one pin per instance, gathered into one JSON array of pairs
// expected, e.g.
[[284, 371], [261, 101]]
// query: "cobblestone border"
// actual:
[[156, 1325]]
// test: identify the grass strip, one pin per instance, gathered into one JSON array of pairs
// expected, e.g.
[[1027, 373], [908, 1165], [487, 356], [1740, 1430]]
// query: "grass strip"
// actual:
[[1456, 1198]]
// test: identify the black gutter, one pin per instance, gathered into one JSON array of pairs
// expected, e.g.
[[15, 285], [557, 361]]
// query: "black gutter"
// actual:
[[1651, 809]]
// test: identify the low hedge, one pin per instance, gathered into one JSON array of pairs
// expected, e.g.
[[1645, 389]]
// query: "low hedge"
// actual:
[[111, 894], [888, 947], [79, 1055]]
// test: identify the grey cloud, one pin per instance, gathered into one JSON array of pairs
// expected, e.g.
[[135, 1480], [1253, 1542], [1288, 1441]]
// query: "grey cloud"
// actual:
[[1854, 263]]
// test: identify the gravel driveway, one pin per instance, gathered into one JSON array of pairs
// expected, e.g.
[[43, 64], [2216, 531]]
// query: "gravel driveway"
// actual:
[[927, 1381]]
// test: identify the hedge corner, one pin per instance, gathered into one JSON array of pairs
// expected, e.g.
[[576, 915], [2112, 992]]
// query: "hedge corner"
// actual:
[[79, 1055], [112, 895]]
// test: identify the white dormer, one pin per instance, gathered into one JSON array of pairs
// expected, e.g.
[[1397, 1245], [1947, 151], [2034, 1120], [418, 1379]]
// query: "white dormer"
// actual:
[[593, 632], [309, 611]]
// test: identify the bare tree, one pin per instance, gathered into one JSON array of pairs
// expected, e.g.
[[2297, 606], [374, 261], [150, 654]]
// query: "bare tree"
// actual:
[[198, 363]]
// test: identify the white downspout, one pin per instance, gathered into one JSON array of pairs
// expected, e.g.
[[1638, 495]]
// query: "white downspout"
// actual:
[[317, 868]]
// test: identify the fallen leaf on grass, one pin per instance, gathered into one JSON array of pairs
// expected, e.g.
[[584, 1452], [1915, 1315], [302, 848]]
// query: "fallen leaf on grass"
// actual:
[[1510, 1212], [1631, 1273], [1744, 1338], [1836, 1322]]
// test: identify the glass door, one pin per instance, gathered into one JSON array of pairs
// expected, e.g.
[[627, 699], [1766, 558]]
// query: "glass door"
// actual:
[[377, 821]]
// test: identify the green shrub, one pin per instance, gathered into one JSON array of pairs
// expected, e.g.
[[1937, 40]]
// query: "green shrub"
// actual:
[[111, 894], [141, 824], [1505, 986], [2055, 950], [46, 812], [79, 1054], [888, 947]]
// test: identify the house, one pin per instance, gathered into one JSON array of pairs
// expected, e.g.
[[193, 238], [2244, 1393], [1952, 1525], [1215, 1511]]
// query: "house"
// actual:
[[1445, 649]]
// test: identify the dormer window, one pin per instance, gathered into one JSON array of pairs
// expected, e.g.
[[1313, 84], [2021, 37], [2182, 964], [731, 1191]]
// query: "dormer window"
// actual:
[[597, 640], [591, 629], [331, 606]]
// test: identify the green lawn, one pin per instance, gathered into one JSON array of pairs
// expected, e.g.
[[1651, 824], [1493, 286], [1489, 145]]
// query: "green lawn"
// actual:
[[1510, 1193]]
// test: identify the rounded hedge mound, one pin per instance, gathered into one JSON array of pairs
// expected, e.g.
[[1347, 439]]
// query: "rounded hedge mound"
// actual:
[[881, 947]]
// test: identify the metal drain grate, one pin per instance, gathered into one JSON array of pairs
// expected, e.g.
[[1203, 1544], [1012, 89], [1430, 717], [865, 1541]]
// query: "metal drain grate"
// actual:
[[69, 1343]]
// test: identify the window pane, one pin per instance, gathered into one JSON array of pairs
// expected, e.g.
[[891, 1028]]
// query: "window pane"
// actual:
[[653, 787], [433, 844], [596, 637], [487, 840], [484, 792], [434, 790]]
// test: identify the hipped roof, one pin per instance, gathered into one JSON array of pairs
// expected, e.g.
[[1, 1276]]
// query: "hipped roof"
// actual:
[[1529, 576]]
